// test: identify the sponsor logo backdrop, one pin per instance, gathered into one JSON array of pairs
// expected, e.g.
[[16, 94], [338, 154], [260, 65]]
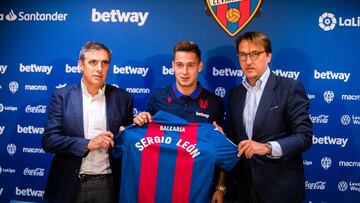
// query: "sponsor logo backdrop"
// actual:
[[315, 42]]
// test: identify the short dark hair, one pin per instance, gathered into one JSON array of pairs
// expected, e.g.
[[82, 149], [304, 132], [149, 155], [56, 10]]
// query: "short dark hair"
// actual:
[[256, 37], [93, 45], [187, 46]]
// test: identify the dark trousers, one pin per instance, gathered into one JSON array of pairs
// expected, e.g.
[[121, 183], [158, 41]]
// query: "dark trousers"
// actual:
[[95, 189]]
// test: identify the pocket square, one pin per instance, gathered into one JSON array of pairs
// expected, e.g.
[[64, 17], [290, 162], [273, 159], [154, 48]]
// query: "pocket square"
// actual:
[[274, 107]]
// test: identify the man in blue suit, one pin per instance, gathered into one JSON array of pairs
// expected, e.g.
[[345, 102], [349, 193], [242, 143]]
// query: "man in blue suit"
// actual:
[[268, 118], [82, 120]]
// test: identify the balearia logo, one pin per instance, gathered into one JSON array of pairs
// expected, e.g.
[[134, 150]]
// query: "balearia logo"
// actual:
[[326, 163], [287, 74], [135, 112], [2, 129], [350, 97], [7, 108], [349, 163], [307, 163], [33, 172], [167, 71], [35, 87], [33, 68], [23, 16], [59, 86], [327, 140], [13, 86], [118, 16], [1, 190], [227, 72], [11, 149], [31, 150], [35, 109], [29, 192], [319, 185], [7, 170], [72, 69], [329, 96], [220, 91], [129, 70], [29, 129], [138, 90], [321, 119], [328, 21], [330, 75], [3, 69]]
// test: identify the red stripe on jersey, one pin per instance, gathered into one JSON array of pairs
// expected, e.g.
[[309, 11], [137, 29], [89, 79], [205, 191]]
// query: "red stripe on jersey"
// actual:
[[149, 165], [184, 165], [244, 11], [221, 13]]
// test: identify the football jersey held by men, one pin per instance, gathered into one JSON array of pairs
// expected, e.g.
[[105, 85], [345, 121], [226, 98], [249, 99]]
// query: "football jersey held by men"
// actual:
[[171, 160]]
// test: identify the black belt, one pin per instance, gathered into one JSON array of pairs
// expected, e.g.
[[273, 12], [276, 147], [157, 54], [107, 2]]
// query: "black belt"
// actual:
[[86, 177]]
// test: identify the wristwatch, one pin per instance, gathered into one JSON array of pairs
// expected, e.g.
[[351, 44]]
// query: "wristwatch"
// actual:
[[221, 188], [268, 145]]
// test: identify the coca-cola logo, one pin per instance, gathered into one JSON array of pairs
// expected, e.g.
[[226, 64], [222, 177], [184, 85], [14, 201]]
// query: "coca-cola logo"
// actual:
[[34, 172], [319, 185], [35, 109], [319, 119]]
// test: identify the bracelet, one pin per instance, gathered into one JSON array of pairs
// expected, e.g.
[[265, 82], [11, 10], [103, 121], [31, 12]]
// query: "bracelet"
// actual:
[[221, 188]]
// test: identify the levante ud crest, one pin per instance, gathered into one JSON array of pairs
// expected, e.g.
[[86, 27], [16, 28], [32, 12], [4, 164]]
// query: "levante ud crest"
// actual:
[[233, 15]]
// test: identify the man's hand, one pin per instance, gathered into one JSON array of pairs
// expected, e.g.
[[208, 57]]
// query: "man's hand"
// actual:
[[103, 140], [250, 147], [218, 127], [142, 118], [218, 197]]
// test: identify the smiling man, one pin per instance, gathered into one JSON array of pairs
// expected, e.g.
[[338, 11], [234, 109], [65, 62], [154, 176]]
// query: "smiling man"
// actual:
[[82, 120]]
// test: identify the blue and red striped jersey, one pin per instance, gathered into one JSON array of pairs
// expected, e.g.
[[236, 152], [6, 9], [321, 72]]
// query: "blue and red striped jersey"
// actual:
[[171, 160]]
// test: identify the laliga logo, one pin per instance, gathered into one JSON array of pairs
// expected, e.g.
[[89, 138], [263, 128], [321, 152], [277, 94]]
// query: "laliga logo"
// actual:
[[342, 186], [327, 21], [1, 107], [326, 163], [11, 149], [13, 87], [345, 119], [220, 91], [328, 96]]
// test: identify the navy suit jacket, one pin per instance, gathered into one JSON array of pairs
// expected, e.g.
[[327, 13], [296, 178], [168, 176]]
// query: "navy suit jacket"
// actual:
[[64, 136], [282, 116]]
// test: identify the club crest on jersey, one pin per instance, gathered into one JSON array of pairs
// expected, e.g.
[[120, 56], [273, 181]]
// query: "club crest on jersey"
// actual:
[[203, 103], [180, 129], [233, 15]]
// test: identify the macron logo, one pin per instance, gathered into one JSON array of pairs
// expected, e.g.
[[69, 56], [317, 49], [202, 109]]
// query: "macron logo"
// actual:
[[115, 15]]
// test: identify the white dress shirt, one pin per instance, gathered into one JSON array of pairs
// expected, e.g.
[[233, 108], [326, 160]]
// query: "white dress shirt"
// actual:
[[94, 115], [253, 96]]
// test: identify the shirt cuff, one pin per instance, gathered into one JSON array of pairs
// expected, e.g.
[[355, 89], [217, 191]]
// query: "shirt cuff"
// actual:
[[276, 150]]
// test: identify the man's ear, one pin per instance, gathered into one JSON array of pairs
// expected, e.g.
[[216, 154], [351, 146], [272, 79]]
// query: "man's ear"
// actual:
[[80, 65]]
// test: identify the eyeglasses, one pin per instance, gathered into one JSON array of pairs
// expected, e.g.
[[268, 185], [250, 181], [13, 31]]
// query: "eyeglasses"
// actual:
[[253, 55]]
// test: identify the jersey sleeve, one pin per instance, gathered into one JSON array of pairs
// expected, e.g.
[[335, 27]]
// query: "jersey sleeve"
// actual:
[[225, 150]]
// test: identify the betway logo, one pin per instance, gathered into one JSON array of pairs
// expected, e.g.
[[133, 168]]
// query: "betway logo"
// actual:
[[128, 70], [29, 192], [227, 72], [326, 140], [72, 69], [287, 74], [329, 75], [35, 68], [115, 15], [2, 128], [167, 71], [29, 129], [3, 69]]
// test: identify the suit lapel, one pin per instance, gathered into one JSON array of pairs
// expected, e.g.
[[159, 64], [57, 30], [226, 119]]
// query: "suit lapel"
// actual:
[[240, 111], [265, 104], [77, 105], [110, 102]]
